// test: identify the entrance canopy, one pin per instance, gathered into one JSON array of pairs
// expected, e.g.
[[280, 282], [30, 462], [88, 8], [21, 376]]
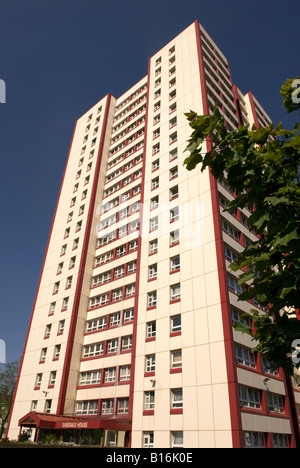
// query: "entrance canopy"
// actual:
[[52, 421]]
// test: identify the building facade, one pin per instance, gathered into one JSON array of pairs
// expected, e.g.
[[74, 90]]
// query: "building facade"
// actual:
[[130, 342]]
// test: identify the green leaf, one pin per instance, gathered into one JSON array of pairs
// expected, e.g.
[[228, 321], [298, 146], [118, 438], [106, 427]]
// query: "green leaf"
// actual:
[[242, 328]]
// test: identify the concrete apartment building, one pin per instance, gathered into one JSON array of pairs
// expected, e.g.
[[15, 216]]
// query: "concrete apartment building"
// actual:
[[130, 342]]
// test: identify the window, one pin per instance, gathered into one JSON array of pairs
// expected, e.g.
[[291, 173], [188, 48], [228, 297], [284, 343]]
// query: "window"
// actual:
[[175, 263], [280, 441], [175, 292], [113, 345], [230, 255], [63, 249], [124, 373], [133, 245], [153, 271], [176, 398], [61, 327], [69, 282], [128, 315], [172, 94], [154, 202], [52, 378], [156, 119], [90, 377], [154, 223], [57, 351], [99, 300], [93, 350], [52, 308], [156, 148], [173, 154], [150, 363], [234, 286], [117, 294], [149, 401], [275, 403], [65, 303], [236, 318], [156, 133], [156, 106], [153, 246], [131, 267], [176, 439], [43, 355], [110, 375], [48, 404], [152, 299], [130, 290], [250, 397], [172, 108], [151, 329], [76, 243], [108, 406], [115, 319], [176, 359], [38, 380], [173, 138], [155, 165], [47, 331], [101, 279], [121, 251], [123, 405], [267, 368], [230, 231], [34, 405], [97, 324], [155, 183], [174, 237], [175, 323], [87, 407], [174, 214], [126, 343], [174, 194], [111, 438], [254, 440], [148, 439], [119, 272], [173, 121], [245, 357], [174, 173]]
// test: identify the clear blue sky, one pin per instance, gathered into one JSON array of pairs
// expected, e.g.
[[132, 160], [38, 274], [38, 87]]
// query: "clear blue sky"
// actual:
[[58, 58]]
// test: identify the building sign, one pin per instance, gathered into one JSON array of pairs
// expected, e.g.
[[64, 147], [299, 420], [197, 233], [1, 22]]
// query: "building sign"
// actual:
[[74, 425]]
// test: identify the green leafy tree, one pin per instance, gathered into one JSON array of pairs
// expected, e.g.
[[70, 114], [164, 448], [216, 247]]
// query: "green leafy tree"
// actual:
[[8, 378], [261, 166]]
